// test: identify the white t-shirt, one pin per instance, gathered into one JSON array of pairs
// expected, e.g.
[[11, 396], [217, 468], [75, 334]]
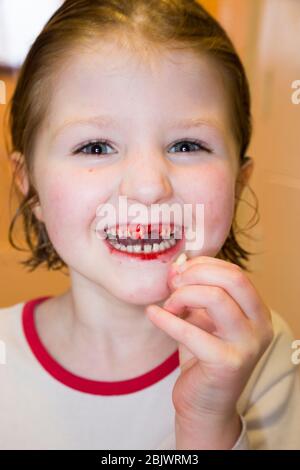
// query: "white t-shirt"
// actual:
[[44, 406]]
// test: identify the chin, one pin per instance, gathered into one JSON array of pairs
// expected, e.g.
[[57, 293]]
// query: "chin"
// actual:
[[141, 295]]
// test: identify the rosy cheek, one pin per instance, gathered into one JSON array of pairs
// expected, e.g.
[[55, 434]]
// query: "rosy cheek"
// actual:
[[64, 205], [70, 201], [214, 189], [219, 215], [57, 211]]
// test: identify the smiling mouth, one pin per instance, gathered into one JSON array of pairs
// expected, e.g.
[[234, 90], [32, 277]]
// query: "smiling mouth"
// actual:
[[143, 239]]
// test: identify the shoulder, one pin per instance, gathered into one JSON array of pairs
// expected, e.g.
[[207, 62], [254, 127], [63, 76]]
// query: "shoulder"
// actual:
[[7, 312], [281, 347], [280, 350], [10, 332], [8, 317], [276, 363], [280, 325], [270, 401]]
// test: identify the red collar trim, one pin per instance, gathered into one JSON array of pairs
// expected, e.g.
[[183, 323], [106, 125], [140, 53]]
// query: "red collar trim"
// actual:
[[80, 383]]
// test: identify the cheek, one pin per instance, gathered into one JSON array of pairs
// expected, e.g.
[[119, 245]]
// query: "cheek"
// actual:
[[219, 210], [69, 205], [214, 188]]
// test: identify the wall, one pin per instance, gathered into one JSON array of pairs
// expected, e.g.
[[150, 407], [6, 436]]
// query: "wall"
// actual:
[[16, 284], [267, 36]]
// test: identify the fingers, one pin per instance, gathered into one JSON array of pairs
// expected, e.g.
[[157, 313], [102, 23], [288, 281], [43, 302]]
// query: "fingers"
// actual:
[[199, 317], [200, 259], [203, 345], [228, 277], [231, 324]]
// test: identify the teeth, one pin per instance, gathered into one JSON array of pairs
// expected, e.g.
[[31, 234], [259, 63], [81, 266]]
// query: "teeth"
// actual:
[[156, 248], [167, 244], [124, 232], [165, 232], [177, 233], [164, 245], [137, 248], [134, 235], [169, 239], [111, 233], [137, 234]]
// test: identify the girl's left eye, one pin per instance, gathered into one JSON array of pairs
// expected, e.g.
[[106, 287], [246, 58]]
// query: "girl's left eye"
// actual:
[[186, 143], [96, 145]]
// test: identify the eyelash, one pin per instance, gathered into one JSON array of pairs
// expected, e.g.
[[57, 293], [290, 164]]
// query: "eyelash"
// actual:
[[202, 146]]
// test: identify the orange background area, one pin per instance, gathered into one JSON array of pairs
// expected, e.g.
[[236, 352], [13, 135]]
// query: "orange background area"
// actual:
[[266, 34]]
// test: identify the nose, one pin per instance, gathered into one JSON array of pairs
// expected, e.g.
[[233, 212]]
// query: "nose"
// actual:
[[146, 181]]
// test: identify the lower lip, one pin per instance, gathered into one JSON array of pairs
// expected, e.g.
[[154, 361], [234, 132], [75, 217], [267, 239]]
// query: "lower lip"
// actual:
[[163, 256]]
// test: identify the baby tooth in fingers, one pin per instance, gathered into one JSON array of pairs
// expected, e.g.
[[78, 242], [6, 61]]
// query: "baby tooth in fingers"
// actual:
[[181, 259], [180, 262]]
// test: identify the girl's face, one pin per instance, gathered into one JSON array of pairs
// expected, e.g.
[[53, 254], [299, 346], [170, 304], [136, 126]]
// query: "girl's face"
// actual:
[[150, 100]]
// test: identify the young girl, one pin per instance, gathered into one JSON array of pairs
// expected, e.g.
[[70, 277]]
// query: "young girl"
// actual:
[[145, 100]]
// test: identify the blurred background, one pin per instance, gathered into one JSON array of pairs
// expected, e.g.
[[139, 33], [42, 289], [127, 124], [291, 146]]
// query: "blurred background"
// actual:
[[266, 34]]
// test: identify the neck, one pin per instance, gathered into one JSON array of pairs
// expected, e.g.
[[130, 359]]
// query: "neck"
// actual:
[[88, 323]]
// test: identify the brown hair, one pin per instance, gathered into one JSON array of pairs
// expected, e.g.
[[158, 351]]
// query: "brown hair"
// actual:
[[171, 23]]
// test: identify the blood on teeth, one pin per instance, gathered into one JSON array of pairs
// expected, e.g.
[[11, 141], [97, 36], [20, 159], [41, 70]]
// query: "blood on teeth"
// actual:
[[116, 235]]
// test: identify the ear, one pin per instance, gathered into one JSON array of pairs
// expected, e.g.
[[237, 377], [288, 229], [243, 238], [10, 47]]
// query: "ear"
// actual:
[[21, 178], [244, 174]]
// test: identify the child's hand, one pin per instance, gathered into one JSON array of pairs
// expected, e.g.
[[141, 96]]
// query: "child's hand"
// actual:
[[223, 327]]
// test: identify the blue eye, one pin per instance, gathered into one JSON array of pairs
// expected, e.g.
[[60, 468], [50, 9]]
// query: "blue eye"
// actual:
[[95, 147], [92, 148], [187, 143]]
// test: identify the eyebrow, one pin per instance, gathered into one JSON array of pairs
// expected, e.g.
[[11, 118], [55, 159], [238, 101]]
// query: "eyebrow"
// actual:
[[108, 121]]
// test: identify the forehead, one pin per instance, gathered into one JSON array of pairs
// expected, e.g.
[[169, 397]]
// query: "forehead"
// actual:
[[109, 79]]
